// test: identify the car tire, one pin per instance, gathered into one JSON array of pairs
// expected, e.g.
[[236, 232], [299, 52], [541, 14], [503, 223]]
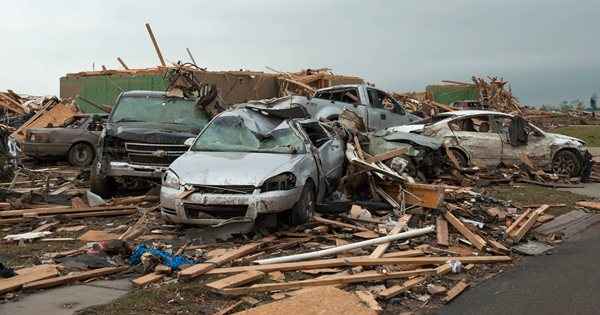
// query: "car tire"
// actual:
[[303, 210], [81, 154], [460, 157], [99, 184], [566, 163]]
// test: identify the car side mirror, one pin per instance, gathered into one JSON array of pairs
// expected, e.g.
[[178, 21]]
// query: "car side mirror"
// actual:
[[189, 142]]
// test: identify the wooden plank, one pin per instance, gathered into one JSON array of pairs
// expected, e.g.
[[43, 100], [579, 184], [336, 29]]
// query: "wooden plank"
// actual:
[[519, 221], [361, 277], [589, 204], [202, 268], [24, 277], [387, 155], [97, 236], [61, 210], [235, 280], [56, 115], [359, 261], [475, 239], [455, 291], [517, 235], [397, 289], [155, 44], [381, 248], [53, 282], [442, 231], [320, 219], [149, 278], [112, 213]]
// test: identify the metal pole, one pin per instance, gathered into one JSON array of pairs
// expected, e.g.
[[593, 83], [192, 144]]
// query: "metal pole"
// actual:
[[155, 43], [122, 63], [344, 248], [191, 57]]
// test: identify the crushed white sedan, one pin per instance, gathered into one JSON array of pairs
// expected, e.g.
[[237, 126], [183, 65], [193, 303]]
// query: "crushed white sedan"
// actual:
[[250, 161], [488, 138]]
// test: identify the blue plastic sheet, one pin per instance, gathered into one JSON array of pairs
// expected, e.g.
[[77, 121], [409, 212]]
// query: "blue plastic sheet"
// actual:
[[167, 259]]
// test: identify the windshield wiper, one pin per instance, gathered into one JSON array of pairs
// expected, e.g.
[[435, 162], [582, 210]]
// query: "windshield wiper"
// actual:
[[128, 120]]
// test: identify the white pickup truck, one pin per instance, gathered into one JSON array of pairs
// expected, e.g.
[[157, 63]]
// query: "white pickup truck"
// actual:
[[377, 108]]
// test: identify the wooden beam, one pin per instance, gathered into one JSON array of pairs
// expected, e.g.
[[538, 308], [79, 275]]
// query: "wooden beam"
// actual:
[[191, 56], [442, 231], [235, 280], [53, 282], [61, 210], [202, 268], [518, 232], [477, 241], [359, 261], [24, 277], [155, 43], [381, 248], [361, 277], [146, 279], [320, 219], [122, 63], [397, 289], [455, 291]]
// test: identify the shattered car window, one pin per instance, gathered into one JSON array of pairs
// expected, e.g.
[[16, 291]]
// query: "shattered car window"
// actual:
[[231, 134], [164, 110]]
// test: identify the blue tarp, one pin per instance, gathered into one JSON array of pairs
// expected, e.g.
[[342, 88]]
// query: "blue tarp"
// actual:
[[167, 259]]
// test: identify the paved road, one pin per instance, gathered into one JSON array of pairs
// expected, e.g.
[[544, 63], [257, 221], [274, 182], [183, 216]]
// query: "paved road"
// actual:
[[566, 282]]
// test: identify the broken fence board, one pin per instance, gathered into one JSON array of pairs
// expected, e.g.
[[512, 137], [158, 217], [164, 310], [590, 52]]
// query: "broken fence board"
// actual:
[[397, 289], [442, 231], [517, 233], [339, 224], [60, 210], [147, 279], [53, 282], [367, 277], [455, 291], [235, 280], [381, 248]]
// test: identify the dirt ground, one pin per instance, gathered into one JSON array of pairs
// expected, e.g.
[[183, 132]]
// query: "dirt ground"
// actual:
[[589, 134]]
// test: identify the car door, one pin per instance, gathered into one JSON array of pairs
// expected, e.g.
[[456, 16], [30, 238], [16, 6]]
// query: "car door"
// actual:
[[330, 150], [537, 148], [386, 111], [378, 115], [474, 135]]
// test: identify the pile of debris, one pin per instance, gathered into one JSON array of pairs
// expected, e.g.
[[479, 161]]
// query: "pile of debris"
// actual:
[[306, 82], [15, 108]]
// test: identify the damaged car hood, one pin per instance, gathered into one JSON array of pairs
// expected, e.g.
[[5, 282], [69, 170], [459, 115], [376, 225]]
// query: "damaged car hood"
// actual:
[[152, 133], [564, 139], [231, 168]]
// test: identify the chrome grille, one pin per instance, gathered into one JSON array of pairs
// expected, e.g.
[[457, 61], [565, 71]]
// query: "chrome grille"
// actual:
[[153, 154], [229, 189]]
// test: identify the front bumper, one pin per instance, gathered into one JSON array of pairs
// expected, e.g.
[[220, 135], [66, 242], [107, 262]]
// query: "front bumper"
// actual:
[[117, 169], [219, 209]]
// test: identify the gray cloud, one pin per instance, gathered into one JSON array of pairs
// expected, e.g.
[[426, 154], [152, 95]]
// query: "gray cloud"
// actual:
[[547, 49]]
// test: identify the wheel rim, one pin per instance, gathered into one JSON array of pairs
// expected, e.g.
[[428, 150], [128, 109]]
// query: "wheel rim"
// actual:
[[564, 165], [81, 154]]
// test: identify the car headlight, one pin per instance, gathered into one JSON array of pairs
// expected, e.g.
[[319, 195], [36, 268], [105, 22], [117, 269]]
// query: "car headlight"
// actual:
[[171, 180], [284, 181]]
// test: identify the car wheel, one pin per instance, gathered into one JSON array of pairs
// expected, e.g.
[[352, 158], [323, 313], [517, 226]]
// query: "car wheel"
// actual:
[[81, 154], [303, 210], [99, 184], [566, 163]]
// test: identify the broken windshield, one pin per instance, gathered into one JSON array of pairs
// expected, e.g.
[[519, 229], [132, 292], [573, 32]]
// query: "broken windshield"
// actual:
[[231, 134], [157, 109]]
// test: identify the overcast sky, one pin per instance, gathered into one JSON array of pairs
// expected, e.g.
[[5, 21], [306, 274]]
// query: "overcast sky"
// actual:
[[549, 50]]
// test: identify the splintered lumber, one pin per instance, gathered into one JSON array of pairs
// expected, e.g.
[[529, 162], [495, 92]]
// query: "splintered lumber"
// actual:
[[387, 155], [202, 268], [339, 224], [429, 196], [122, 63], [442, 231], [475, 239], [336, 280], [360, 261], [455, 291], [235, 280], [381, 248], [97, 236], [589, 204], [51, 114], [397, 289], [319, 300], [29, 275], [343, 248], [53, 282], [60, 210], [524, 223], [149, 278]]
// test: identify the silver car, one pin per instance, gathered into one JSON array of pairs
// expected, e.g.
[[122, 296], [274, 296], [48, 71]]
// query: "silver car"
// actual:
[[251, 161], [487, 138]]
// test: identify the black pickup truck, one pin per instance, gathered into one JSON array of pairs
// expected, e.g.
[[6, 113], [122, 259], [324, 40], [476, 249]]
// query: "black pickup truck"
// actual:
[[145, 132]]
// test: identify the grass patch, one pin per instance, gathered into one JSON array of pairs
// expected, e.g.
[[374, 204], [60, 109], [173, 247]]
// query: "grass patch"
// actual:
[[589, 134], [523, 194]]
